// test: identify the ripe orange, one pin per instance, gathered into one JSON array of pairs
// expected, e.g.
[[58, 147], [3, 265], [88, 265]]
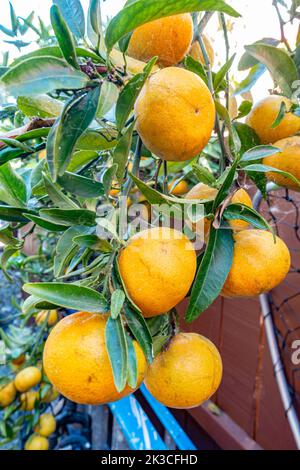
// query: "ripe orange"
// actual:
[[51, 314], [240, 197], [263, 115], [27, 378], [258, 266], [36, 442], [288, 160], [77, 363], [28, 400], [175, 114], [7, 394], [168, 38], [46, 425], [180, 188], [196, 51], [187, 373], [157, 267]]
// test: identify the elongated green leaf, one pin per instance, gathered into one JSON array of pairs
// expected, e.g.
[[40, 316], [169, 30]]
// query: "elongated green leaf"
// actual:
[[244, 109], [81, 158], [55, 51], [42, 106], [140, 331], [121, 152], [92, 140], [68, 296], [255, 73], [130, 93], [108, 98], [247, 61], [265, 168], [259, 152], [73, 14], [93, 242], [116, 303], [65, 250], [223, 113], [117, 350], [94, 25], [8, 252], [108, 177], [132, 372], [203, 174], [32, 303], [221, 74], [58, 198], [242, 212], [212, 272], [64, 37], [195, 66], [280, 115], [43, 223], [7, 238], [41, 75], [75, 119], [69, 217], [278, 62], [12, 187], [226, 185], [13, 214], [13, 19], [143, 11], [80, 185]]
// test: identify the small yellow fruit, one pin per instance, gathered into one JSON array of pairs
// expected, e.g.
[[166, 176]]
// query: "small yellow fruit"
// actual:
[[46, 425], [27, 378], [288, 160], [240, 197], [28, 400], [175, 114], [167, 38], [158, 267], [196, 51], [263, 115], [187, 373], [180, 188], [7, 394], [51, 314], [36, 442], [259, 264]]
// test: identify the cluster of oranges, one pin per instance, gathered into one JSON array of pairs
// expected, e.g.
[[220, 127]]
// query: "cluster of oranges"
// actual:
[[175, 116]]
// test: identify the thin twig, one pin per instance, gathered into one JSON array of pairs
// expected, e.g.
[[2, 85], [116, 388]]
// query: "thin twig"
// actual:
[[165, 177], [283, 39]]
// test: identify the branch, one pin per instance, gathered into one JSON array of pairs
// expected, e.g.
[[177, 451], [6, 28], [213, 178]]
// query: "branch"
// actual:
[[35, 123], [281, 24]]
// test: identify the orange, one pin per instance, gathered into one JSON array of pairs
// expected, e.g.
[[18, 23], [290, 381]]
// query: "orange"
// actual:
[[187, 373], [205, 192], [27, 378], [240, 197], [28, 400], [259, 264], [7, 394], [180, 188], [36, 442], [288, 160], [167, 38], [263, 115], [46, 425], [196, 51], [158, 267], [77, 363], [51, 314], [175, 114]]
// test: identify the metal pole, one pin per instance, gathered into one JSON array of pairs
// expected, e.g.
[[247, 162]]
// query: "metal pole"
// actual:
[[276, 359]]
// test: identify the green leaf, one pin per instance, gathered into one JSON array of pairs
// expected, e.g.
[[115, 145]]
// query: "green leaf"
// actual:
[[64, 37], [7, 31], [108, 177], [93, 242], [69, 218], [280, 115], [81, 158], [116, 303], [8, 252], [77, 115], [94, 24], [45, 224], [212, 272], [58, 198], [195, 66], [265, 168], [258, 152], [255, 73], [14, 214], [73, 14], [130, 93], [203, 174], [143, 11], [280, 65], [27, 23], [221, 74], [138, 327], [116, 345], [12, 187], [92, 140], [244, 109], [68, 296], [121, 152], [7, 238], [223, 113], [41, 75], [13, 19], [42, 106], [132, 372], [55, 51], [242, 212], [247, 61], [80, 185], [226, 185], [108, 98], [66, 248]]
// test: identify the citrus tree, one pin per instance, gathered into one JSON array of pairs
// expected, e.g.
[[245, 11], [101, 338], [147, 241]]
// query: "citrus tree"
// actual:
[[133, 112]]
